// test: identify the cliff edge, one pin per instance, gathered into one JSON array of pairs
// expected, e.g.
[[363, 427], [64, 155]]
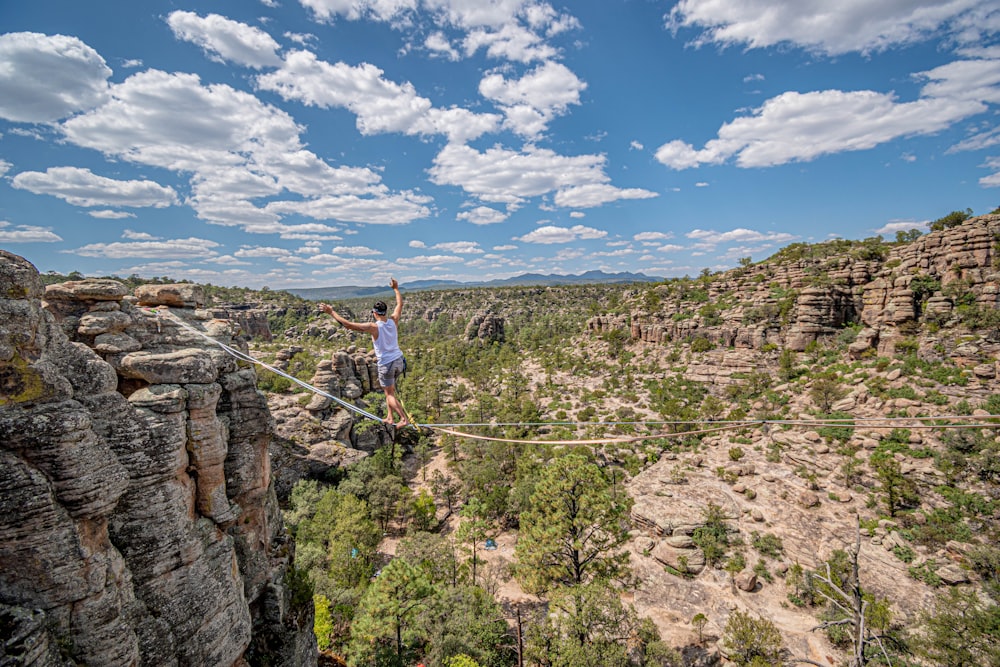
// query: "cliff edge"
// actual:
[[138, 521]]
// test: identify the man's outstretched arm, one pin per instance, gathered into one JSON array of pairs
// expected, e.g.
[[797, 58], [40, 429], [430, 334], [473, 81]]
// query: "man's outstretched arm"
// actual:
[[398, 310], [363, 327]]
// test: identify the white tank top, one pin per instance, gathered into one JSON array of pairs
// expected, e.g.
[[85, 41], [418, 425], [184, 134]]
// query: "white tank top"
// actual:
[[387, 343]]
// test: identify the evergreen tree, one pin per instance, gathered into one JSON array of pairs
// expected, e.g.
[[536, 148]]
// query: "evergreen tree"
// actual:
[[574, 530], [465, 620], [589, 625], [899, 490], [963, 631], [346, 539], [472, 531], [432, 553], [384, 631], [751, 640]]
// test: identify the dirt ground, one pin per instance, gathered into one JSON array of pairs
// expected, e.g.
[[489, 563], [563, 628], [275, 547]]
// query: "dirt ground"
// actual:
[[669, 600]]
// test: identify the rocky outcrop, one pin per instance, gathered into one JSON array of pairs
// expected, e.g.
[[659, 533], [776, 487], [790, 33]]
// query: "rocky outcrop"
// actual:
[[820, 311], [348, 375], [314, 439], [487, 327], [252, 321], [182, 295], [790, 303], [138, 522]]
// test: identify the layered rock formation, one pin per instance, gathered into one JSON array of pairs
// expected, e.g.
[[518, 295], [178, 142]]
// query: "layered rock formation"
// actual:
[[314, 440], [485, 326], [253, 321], [795, 302], [138, 522]]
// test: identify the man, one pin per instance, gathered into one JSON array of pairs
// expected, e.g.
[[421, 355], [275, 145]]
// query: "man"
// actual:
[[385, 338]]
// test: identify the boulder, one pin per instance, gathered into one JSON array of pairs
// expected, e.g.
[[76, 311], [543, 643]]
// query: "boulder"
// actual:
[[685, 561], [746, 581], [103, 322], [808, 499], [953, 575], [183, 295], [91, 289], [115, 343], [169, 367]]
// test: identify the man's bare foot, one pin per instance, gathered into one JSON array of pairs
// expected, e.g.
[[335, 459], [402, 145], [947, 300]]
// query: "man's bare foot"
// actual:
[[387, 421], [403, 422]]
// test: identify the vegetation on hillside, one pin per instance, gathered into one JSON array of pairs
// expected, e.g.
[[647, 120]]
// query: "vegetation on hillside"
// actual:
[[921, 486], [550, 378]]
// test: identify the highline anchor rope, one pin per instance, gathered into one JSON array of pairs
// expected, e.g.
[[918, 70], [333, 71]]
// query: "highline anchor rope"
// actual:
[[246, 357], [711, 425]]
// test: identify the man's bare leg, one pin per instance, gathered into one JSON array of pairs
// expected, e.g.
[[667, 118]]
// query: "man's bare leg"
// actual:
[[392, 404]]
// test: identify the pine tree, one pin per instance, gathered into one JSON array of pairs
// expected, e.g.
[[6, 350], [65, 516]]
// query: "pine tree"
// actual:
[[384, 626], [574, 529]]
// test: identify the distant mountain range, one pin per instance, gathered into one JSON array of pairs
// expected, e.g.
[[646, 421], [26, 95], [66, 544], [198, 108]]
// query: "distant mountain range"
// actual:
[[524, 280]]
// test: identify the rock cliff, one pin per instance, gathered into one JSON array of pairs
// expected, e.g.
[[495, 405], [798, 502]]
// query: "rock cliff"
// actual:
[[315, 439], [790, 301], [901, 331], [138, 521]]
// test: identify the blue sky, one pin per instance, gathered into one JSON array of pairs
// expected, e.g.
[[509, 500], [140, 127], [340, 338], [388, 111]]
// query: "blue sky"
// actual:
[[305, 143]]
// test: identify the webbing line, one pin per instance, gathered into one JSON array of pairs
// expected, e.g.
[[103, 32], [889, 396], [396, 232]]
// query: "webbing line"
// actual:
[[245, 357], [601, 441], [719, 425]]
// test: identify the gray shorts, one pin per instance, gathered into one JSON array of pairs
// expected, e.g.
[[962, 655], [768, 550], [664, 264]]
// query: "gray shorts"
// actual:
[[387, 373]]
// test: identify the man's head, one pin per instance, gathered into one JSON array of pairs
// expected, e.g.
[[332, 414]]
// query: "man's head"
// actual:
[[380, 308]]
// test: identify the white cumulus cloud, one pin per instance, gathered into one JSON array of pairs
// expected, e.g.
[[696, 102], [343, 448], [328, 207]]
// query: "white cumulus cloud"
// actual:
[[902, 226], [500, 175], [483, 215], [596, 194], [532, 101], [355, 251], [653, 236], [430, 260], [226, 40], [26, 234], [110, 215], [831, 27], [189, 248], [133, 235], [798, 127], [549, 234], [235, 150], [380, 105], [708, 239], [261, 251], [81, 187], [460, 247], [47, 77]]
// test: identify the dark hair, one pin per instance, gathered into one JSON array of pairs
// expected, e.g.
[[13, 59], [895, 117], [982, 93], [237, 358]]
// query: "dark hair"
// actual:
[[380, 308]]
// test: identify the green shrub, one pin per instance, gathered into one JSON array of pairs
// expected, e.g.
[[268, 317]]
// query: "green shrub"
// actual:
[[767, 544], [701, 344], [926, 572], [953, 219], [273, 383], [752, 640], [841, 432]]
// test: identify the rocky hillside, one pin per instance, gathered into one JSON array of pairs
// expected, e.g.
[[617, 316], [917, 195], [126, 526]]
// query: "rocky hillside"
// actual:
[[138, 521], [808, 293], [881, 337], [834, 399]]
